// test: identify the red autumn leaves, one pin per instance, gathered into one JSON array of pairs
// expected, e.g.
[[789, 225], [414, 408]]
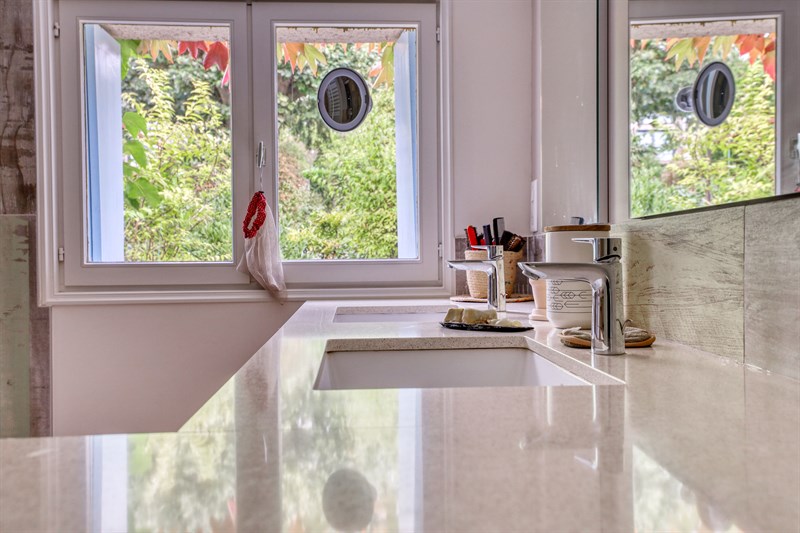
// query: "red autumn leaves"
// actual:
[[214, 53], [759, 46], [754, 47]]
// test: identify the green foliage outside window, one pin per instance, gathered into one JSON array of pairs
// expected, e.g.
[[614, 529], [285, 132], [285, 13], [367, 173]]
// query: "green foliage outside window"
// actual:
[[337, 192], [344, 204], [177, 169]]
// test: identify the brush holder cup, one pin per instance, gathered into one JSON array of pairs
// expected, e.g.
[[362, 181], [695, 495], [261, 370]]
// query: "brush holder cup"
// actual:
[[478, 282]]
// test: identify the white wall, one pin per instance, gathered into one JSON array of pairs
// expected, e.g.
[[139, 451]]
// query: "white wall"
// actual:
[[149, 367], [524, 107], [567, 109], [492, 95]]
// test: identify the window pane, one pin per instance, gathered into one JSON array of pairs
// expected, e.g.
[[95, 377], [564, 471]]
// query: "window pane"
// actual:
[[677, 162], [158, 143], [350, 195]]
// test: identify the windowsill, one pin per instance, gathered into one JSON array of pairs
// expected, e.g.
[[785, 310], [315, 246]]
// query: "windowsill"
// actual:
[[233, 295]]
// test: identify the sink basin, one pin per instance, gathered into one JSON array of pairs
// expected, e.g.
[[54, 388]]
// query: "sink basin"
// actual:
[[442, 363], [427, 313]]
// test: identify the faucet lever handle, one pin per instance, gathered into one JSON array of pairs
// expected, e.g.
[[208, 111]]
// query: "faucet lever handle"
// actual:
[[605, 248]]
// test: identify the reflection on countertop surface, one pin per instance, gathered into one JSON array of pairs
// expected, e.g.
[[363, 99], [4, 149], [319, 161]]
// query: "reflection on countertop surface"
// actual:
[[691, 442]]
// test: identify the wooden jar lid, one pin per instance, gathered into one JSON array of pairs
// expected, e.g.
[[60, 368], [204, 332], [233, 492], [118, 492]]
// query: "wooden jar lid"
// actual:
[[582, 227]]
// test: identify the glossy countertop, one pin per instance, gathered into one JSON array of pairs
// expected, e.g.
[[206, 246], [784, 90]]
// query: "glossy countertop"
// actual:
[[690, 442]]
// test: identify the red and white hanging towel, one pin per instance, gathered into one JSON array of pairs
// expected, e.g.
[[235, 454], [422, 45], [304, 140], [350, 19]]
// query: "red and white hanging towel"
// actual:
[[262, 253]]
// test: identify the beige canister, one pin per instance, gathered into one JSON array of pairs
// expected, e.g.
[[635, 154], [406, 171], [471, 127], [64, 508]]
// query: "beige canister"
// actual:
[[569, 303]]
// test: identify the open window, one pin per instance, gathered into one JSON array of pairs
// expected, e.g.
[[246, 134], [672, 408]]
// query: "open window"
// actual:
[[155, 143], [159, 110]]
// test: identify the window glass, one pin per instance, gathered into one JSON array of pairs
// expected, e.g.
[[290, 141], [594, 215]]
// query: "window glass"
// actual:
[[677, 162], [158, 159], [347, 195]]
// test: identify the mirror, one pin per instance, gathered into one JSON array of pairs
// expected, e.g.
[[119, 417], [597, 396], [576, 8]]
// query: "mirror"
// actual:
[[343, 99], [712, 110], [712, 95]]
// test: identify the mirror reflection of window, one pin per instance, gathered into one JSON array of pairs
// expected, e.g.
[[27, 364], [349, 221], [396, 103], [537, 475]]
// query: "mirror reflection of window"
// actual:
[[676, 161]]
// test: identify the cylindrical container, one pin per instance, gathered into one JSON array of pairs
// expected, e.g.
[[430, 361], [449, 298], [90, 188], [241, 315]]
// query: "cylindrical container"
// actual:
[[478, 282], [539, 288], [569, 303]]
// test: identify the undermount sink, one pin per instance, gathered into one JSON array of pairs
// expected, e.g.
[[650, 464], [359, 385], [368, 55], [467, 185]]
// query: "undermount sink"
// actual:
[[414, 363], [426, 313]]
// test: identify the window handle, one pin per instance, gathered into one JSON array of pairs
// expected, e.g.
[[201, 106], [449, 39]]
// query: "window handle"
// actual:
[[261, 155], [261, 162]]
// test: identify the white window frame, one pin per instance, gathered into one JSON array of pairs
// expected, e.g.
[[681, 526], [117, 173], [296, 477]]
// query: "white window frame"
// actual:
[[426, 270], [65, 277], [78, 271]]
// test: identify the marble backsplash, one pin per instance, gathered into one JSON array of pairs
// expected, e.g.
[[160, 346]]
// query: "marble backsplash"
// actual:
[[726, 281]]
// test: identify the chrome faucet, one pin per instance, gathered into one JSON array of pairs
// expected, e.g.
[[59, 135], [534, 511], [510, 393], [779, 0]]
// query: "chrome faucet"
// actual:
[[604, 274], [493, 266]]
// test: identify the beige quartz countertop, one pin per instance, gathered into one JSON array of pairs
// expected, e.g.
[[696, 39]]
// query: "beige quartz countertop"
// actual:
[[691, 442]]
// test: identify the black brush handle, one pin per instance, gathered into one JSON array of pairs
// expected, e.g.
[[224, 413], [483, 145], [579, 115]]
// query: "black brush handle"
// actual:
[[505, 239], [499, 225], [487, 234]]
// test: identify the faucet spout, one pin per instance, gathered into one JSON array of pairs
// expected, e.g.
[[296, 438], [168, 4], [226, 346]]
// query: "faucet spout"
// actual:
[[605, 277], [493, 266], [472, 264]]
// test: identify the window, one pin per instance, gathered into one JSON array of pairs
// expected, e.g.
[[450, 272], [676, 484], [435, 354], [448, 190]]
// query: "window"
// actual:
[[158, 143], [347, 195], [161, 111], [155, 132], [352, 206]]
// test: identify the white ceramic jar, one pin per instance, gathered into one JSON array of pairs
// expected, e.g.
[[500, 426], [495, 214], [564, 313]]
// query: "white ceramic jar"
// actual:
[[569, 303]]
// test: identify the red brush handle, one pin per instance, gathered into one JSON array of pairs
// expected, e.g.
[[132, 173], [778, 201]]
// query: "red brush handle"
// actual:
[[472, 235]]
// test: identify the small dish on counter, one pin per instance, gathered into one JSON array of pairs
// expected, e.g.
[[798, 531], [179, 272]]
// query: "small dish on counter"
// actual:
[[475, 320], [485, 327]]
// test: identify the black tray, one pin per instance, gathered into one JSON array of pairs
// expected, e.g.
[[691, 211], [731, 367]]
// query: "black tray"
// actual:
[[484, 327]]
